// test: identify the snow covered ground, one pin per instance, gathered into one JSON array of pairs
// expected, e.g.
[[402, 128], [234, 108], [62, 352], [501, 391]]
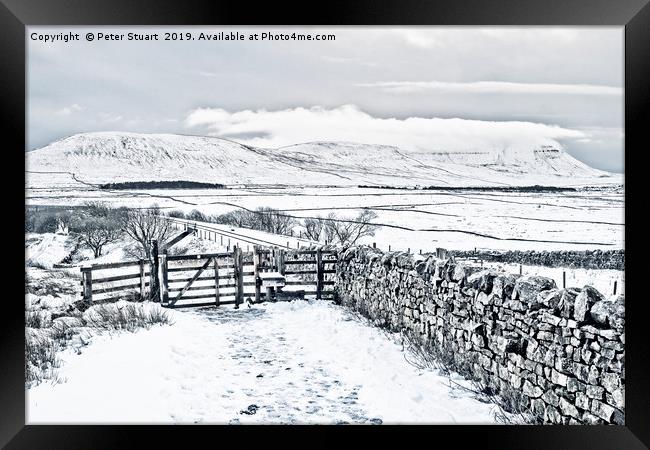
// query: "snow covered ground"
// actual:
[[226, 236], [601, 279], [419, 220], [298, 362]]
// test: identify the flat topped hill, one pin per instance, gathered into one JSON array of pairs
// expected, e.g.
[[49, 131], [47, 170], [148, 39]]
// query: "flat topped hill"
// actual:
[[105, 157]]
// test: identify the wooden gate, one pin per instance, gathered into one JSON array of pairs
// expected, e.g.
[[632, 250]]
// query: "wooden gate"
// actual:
[[235, 277], [204, 279], [226, 278]]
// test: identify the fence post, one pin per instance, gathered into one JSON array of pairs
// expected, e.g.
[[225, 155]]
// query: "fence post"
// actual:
[[239, 293], [216, 280], [87, 280], [319, 274], [142, 280], [155, 282], [615, 283], [563, 279], [164, 286], [281, 268], [520, 269], [256, 272]]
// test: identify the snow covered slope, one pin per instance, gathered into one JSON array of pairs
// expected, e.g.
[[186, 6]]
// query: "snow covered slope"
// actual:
[[120, 156]]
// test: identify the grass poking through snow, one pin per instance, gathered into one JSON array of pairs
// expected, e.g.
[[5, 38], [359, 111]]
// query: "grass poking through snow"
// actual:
[[45, 338]]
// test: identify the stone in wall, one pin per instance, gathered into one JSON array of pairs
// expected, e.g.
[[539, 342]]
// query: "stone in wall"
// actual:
[[562, 349]]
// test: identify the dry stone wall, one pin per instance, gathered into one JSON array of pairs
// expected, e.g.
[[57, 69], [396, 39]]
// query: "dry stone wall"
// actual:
[[562, 349], [585, 259]]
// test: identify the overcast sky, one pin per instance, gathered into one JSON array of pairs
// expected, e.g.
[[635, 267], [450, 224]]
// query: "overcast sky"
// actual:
[[422, 88]]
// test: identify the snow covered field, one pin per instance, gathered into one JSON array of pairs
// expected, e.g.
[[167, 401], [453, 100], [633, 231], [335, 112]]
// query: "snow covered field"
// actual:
[[298, 362], [603, 279], [304, 361], [419, 220]]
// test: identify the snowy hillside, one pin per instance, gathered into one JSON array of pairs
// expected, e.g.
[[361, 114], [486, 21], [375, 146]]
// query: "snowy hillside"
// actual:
[[112, 156]]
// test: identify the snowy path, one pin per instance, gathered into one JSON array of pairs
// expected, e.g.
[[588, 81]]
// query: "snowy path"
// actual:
[[299, 362]]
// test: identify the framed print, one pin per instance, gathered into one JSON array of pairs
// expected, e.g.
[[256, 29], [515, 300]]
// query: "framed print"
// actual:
[[407, 216]]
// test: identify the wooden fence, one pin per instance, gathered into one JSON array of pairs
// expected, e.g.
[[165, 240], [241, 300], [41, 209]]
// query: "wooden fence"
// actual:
[[232, 238], [214, 278], [122, 280]]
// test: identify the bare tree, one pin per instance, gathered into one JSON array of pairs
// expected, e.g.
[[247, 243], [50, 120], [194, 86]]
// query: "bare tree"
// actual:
[[263, 219], [143, 225], [234, 218], [273, 221], [96, 232], [96, 224], [197, 216], [347, 231], [329, 235], [64, 220], [314, 228]]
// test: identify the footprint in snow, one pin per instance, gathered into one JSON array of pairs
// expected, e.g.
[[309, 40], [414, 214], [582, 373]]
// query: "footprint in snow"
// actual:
[[252, 409]]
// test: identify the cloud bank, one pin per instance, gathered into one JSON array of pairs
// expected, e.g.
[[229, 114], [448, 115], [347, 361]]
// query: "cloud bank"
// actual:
[[279, 128]]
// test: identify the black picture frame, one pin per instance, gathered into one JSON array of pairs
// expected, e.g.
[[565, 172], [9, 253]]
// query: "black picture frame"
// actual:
[[15, 15]]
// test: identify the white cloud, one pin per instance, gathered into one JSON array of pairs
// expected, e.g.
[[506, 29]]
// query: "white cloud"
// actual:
[[348, 123], [423, 38], [348, 60], [68, 110], [492, 87], [438, 37], [109, 118]]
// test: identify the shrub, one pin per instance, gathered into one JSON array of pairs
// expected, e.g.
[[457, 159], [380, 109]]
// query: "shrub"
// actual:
[[511, 403], [41, 348], [129, 316], [46, 224], [40, 357], [197, 216], [176, 213], [37, 319], [43, 344]]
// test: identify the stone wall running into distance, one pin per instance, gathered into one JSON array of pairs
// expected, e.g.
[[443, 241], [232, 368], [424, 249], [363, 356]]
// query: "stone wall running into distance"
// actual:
[[584, 259], [562, 350]]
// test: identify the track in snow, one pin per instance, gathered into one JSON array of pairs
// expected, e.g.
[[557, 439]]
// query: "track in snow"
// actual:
[[298, 362]]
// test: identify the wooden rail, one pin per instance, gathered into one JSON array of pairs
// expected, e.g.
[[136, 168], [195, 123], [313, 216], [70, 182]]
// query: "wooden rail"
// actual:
[[224, 277], [94, 286]]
